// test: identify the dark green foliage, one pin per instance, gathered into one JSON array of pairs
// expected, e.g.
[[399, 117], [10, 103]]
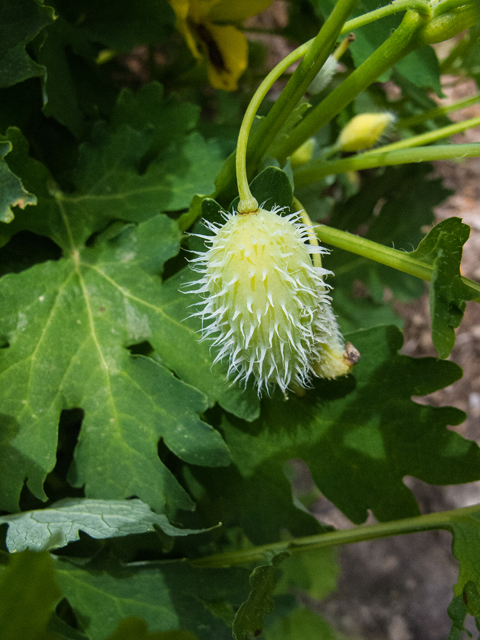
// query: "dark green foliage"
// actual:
[[123, 450]]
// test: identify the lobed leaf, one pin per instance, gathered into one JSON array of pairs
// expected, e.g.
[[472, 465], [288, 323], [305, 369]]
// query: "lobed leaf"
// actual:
[[20, 22], [28, 595], [12, 192], [109, 185], [168, 596], [442, 248], [55, 527], [67, 324], [351, 432], [395, 206], [248, 621]]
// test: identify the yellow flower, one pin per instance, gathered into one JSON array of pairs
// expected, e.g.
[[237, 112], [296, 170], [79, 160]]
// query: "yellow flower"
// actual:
[[223, 45]]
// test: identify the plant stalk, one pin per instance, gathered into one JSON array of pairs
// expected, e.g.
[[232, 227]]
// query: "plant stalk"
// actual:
[[314, 55], [317, 170], [439, 520], [397, 46], [400, 260]]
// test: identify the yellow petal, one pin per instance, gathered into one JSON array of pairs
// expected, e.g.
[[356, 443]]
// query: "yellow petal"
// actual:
[[200, 9], [227, 52], [181, 8], [228, 11]]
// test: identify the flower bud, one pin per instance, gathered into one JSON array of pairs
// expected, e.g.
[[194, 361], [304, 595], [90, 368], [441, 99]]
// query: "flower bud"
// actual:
[[303, 154], [324, 76], [364, 131]]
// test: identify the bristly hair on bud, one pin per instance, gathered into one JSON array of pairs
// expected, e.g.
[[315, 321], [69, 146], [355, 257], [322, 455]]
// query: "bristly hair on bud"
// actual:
[[263, 300]]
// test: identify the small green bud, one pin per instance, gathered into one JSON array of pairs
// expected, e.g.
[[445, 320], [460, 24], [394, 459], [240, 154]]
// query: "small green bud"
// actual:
[[303, 154]]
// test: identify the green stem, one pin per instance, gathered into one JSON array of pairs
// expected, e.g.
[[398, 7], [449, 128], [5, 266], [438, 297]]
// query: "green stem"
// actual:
[[312, 236], [401, 42], [317, 170], [431, 114], [247, 201], [225, 189], [311, 64], [440, 520], [394, 258], [314, 55], [420, 6], [430, 136], [400, 260]]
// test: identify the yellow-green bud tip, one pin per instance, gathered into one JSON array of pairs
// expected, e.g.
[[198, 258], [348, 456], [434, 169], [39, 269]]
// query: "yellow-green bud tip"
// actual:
[[364, 131]]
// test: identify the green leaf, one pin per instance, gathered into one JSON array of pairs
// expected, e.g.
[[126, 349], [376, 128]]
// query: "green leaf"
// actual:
[[67, 324], [109, 185], [63, 52], [301, 623], [314, 572], [465, 527], [123, 24], [12, 193], [168, 596], [442, 248], [60, 524], [28, 595], [359, 435], [20, 22], [248, 621], [422, 69], [136, 629], [271, 188], [170, 118]]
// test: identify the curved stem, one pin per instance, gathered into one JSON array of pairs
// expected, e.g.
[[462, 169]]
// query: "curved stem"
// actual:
[[290, 96], [421, 7], [314, 57], [401, 42], [246, 198], [312, 236], [440, 520], [318, 170]]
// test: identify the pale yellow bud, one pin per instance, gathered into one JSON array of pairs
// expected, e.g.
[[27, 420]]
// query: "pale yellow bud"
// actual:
[[363, 131]]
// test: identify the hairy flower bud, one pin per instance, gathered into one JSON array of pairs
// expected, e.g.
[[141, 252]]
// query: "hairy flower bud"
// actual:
[[263, 299], [363, 131]]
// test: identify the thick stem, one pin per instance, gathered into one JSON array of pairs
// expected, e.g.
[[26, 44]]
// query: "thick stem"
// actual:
[[314, 55], [394, 258], [317, 170], [311, 64], [401, 42], [420, 6], [440, 520]]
